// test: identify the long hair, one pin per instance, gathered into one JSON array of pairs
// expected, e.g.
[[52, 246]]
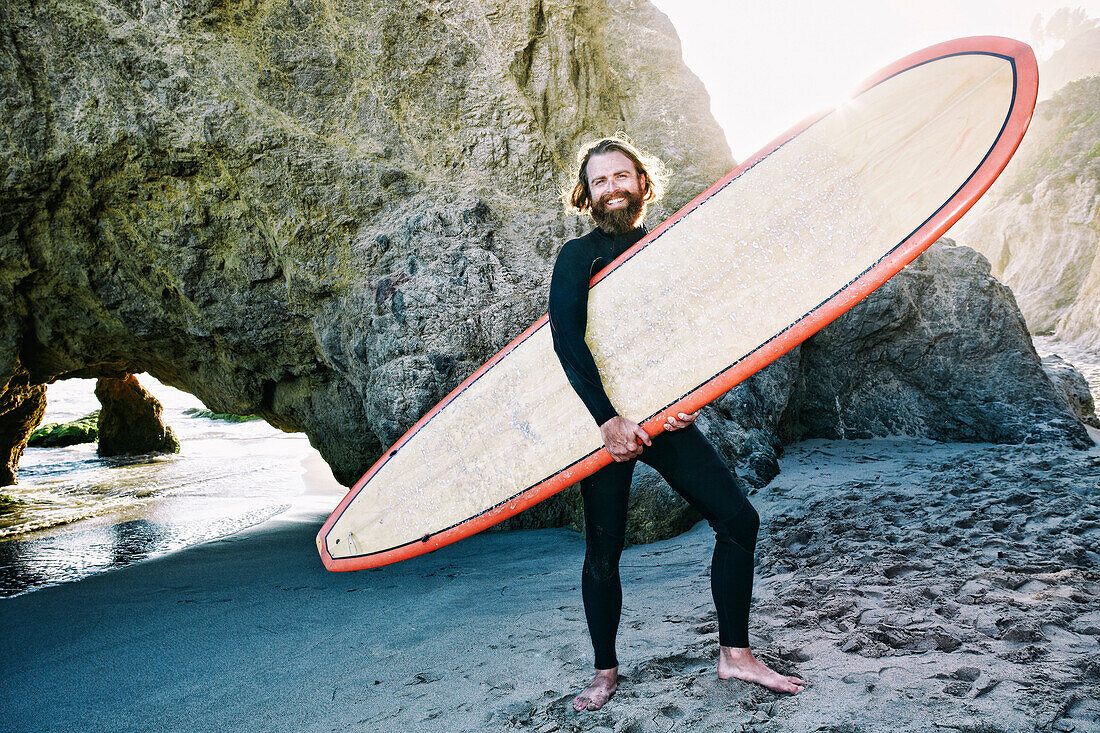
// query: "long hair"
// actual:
[[651, 172]]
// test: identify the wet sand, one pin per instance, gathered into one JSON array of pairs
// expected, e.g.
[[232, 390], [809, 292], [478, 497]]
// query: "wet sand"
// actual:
[[916, 585]]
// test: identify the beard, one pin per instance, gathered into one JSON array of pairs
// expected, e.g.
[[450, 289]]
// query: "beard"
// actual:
[[618, 221]]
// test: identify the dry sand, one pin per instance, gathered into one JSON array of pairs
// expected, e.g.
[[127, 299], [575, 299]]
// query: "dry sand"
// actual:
[[917, 585]]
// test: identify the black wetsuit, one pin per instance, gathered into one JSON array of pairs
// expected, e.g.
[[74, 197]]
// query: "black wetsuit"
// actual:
[[683, 457]]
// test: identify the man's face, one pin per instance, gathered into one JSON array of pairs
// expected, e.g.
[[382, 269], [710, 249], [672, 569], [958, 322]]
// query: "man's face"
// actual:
[[616, 191]]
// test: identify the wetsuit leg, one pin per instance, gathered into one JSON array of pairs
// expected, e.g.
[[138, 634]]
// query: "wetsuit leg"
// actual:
[[606, 494], [687, 460]]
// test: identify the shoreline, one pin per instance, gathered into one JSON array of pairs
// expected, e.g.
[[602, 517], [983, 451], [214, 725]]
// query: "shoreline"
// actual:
[[114, 538], [913, 583]]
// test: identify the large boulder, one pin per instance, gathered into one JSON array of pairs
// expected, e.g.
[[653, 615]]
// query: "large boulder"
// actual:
[[131, 419], [939, 351], [59, 435], [1073, 386]]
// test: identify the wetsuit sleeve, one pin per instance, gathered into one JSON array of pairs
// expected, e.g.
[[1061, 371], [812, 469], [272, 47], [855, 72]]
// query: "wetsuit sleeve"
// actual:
[[568, 323]]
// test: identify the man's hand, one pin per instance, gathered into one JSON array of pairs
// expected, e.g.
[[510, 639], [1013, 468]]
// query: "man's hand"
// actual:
[[684, 420], [623, 439]]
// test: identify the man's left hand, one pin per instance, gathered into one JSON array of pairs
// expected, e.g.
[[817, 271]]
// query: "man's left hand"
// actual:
[[672, 423]]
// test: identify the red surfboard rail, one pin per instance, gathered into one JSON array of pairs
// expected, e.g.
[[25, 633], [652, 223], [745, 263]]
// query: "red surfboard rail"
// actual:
[[1026, 90]]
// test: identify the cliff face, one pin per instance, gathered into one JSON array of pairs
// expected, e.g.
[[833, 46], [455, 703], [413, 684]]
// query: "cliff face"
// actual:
[[1078, 58], [327, 213], [1040, 225]]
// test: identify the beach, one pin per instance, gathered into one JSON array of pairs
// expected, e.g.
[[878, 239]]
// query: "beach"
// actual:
[[315, 221], [916, 585]]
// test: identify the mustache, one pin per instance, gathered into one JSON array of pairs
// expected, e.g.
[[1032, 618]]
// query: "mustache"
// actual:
[[615, 194]]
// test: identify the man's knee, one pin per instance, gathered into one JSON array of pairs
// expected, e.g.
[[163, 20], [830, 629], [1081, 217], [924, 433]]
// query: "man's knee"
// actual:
[[603, 549], [601, 568], [600, 541], [741, 528]]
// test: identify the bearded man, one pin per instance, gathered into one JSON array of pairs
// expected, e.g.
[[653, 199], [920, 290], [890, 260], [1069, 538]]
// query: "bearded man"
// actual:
[[615, 183]]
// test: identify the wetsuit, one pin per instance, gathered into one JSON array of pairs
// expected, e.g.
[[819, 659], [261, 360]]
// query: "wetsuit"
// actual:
[[683, 457]]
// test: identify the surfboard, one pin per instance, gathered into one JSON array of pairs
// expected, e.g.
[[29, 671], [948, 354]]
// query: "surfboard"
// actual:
[[767, 256]]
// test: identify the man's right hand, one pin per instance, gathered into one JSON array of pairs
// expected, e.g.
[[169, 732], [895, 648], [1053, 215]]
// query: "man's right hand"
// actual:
[[623, 439]]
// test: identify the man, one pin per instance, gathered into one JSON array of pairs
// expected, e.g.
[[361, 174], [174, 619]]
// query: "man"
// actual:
[[615, 183]]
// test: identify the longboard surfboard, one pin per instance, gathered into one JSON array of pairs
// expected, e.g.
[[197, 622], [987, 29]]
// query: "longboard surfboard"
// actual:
[[767, 256]]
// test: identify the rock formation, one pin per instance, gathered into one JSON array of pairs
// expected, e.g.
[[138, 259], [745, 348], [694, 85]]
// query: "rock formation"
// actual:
[[1074, 387], [130, 421], [329, 215], [326, 216], [1040, 223], [940, 350], [22, 405]]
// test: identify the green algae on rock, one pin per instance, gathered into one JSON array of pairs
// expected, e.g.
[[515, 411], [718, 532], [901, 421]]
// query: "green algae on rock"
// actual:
[[210, 415], [57, 435]]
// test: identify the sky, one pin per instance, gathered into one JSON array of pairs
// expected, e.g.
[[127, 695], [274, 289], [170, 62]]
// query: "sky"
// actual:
[[768, 64]]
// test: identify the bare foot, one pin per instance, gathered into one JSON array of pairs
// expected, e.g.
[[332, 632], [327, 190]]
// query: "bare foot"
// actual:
[[599, 690], [740, 663]]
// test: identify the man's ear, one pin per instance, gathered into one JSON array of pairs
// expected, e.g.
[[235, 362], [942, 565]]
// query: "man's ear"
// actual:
[[646, 190]]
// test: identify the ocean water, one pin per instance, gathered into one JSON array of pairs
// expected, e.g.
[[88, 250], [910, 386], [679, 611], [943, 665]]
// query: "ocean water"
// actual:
[[76, 514]]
